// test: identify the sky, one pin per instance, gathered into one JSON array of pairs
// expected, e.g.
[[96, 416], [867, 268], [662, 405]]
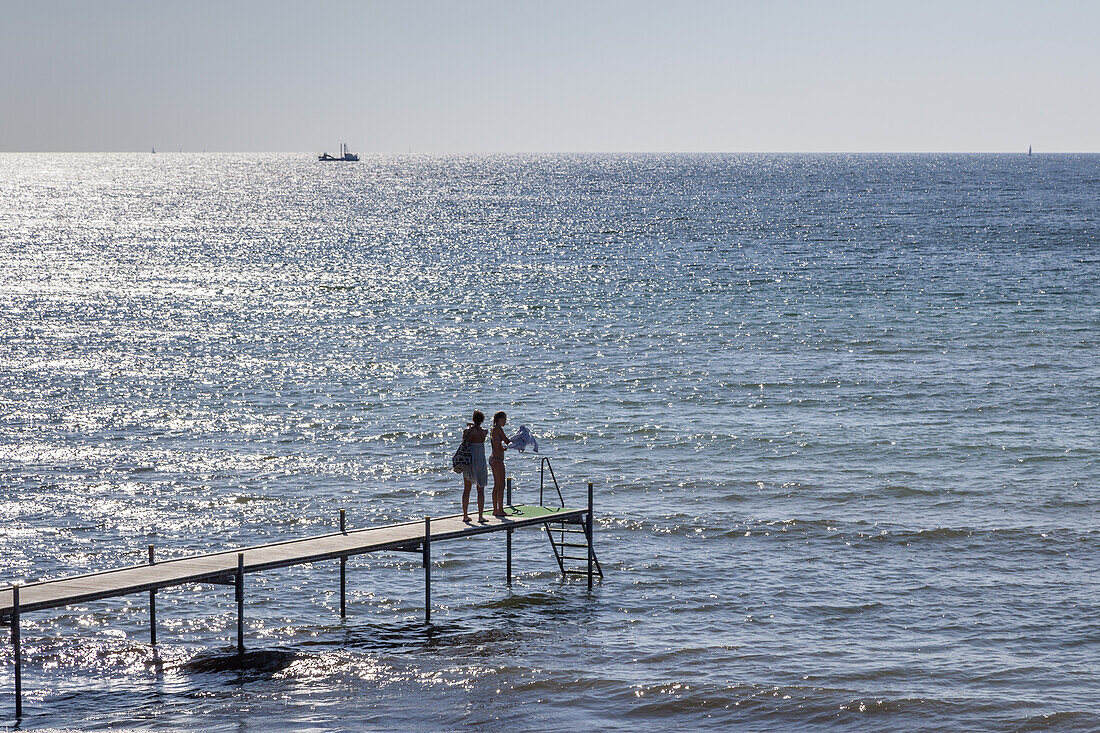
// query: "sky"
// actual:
[[465, 76]]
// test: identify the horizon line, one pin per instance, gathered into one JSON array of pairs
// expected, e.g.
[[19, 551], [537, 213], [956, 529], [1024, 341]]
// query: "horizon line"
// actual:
[[559, 152]]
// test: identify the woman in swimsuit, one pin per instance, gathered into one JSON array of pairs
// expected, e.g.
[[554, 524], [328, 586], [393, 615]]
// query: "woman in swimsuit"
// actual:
[[475, 473], [496, 462]]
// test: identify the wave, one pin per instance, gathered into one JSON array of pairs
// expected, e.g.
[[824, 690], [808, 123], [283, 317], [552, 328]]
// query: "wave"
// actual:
[[873, 531], [714, 707], [1063, 720]]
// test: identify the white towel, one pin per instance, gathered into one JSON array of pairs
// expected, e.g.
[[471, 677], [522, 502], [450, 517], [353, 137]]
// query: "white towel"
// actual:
[[522, 439]]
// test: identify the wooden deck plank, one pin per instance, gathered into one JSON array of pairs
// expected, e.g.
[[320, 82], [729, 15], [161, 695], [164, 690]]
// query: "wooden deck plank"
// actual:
[[201, 568]]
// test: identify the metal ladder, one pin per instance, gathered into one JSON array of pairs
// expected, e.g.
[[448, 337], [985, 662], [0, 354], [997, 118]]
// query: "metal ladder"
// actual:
[[571, 541]]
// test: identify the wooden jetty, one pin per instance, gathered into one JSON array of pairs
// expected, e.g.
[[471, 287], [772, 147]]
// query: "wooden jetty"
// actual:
[[229, 567]]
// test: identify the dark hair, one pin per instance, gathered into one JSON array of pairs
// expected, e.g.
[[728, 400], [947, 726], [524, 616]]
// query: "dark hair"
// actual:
[[479, 417], [499, 415]]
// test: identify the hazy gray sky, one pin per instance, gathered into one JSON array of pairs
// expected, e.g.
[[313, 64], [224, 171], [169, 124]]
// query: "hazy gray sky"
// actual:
[[549, 76]]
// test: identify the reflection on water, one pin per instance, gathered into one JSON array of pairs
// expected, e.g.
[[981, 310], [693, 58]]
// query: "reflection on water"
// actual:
[[840, 413]]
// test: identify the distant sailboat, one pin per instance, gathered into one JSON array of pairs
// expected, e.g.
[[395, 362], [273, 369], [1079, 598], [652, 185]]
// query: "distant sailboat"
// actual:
[[1029, 150], [154, 149]]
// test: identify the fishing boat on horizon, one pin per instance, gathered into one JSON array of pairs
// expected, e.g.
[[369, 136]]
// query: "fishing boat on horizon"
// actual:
[[345, 155]]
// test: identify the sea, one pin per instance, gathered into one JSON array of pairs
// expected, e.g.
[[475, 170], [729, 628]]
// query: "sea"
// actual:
[[841, 414]]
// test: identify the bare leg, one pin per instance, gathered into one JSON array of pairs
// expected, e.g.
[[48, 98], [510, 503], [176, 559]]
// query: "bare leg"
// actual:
[[498, 488], [466, 500], [480, 503]]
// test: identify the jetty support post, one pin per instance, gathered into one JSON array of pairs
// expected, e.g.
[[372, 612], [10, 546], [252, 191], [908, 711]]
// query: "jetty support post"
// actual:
[[17, 655], [343, 571], [343, 586], [240, 603], [152, 606], [508, 540], [588, 532], [427, 550]]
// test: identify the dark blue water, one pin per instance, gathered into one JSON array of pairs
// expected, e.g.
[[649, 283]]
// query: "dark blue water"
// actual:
[[841, 413]]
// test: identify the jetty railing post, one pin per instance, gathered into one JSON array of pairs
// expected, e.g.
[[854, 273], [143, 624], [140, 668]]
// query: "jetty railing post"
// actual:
[[240, 603], [343, 571], [508, 540], [427, 549], [588, 532], [152, 606], [16, 652]]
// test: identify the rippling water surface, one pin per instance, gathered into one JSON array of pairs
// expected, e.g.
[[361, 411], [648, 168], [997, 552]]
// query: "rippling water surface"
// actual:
[[841, 413]]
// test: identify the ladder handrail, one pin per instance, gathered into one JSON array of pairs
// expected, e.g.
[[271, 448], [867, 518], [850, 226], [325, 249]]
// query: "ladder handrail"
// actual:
[[543, 465]]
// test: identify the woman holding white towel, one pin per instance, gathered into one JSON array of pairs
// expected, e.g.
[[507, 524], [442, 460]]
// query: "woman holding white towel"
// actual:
[[496, 461]]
